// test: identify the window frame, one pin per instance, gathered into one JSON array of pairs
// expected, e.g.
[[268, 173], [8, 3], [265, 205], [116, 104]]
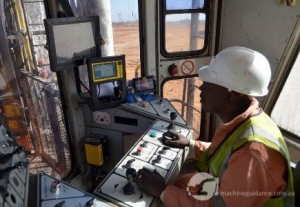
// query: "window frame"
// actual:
[[283, 81], [205, 10]]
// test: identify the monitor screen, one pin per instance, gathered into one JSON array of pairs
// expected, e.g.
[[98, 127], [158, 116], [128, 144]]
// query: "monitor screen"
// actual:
[[105, 70], [144, 85], [72, 40]]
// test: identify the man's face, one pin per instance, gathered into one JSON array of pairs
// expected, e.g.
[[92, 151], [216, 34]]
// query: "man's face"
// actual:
[[213, 97]]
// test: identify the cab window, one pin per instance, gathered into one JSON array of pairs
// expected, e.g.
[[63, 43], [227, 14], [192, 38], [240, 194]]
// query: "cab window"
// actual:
[[285, 111], [125, 26], [184, 27]]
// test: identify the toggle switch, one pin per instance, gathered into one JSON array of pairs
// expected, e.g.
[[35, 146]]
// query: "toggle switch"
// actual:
[[167, 111], [55, 185], [161, 102], [145, 144], [157, 159], [128, 163], [173, 116]]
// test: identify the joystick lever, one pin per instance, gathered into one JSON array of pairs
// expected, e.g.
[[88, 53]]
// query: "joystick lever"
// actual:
[[128, 163], [173, 116], [128, 189], [130, 174]]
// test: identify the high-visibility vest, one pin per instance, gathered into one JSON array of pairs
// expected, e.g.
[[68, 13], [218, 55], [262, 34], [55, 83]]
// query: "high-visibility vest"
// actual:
[[257, 128]]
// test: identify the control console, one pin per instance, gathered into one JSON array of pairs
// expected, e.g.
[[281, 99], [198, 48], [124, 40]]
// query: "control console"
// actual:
[[149, 152], [157, 109], [14, 172], [57, 193]]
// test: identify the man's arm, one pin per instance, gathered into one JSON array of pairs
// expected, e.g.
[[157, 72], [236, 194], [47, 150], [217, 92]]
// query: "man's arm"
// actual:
[[254, 172]]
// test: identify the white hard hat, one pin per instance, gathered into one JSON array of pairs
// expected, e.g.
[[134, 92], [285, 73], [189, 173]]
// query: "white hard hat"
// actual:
[[239, 69]]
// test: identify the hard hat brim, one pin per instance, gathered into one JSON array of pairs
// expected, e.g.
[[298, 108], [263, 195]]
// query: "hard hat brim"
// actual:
[[205, 75]]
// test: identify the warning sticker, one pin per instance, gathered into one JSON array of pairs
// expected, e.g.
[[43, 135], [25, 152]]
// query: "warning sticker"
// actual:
[[187, 67]]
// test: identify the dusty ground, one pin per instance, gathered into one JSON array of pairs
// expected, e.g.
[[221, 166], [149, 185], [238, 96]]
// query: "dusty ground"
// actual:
[[126, 40]]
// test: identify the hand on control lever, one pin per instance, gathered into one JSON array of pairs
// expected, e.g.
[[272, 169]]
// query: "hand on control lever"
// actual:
[[151, 182], [176, 140]]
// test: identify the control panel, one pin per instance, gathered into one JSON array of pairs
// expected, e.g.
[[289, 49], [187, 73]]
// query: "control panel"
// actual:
[[149, 152], [56, 193], [14, 172], [157, 109]]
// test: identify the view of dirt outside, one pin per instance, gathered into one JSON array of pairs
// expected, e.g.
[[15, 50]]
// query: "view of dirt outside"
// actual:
[[126, 41]]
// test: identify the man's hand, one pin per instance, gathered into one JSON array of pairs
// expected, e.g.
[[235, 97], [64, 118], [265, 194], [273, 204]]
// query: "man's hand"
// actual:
[[151, 182], [178, 139]]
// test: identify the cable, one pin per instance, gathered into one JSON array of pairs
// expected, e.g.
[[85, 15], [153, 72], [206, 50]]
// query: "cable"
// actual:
[[99, 87], [81, 83]]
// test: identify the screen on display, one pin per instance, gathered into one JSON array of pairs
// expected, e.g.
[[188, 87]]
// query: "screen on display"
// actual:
[[143, 85], [72, 40], [105, 70]]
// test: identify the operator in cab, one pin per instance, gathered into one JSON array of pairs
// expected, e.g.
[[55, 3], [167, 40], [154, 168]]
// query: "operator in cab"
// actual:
[[247, 162]]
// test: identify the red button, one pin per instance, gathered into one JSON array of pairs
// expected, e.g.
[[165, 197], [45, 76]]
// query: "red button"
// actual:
[[174, 71]]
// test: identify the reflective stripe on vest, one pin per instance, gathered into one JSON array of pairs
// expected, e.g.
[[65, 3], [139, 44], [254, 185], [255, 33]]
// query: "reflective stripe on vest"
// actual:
[[249, 130]]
